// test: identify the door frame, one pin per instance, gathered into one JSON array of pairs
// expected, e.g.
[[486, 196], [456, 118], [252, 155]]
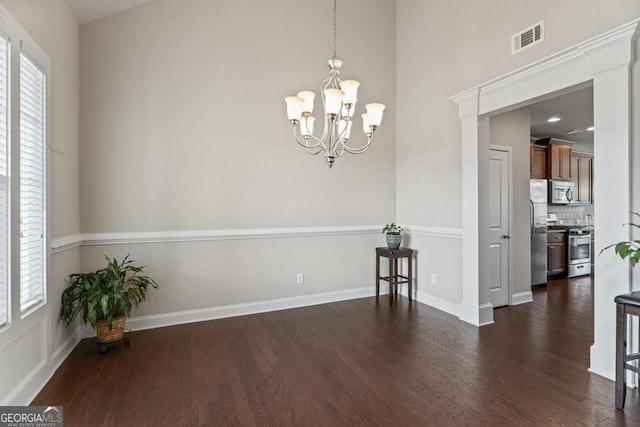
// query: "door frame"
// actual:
[[606, 62], [509, 151]]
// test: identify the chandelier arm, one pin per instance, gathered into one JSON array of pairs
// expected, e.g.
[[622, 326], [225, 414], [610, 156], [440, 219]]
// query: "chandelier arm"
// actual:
[[358, 150], [339, 152], [319, 150], [326, 84], [319, 143]]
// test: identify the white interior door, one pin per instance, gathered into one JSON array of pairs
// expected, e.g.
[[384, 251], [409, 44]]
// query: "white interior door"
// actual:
[[499, 227]]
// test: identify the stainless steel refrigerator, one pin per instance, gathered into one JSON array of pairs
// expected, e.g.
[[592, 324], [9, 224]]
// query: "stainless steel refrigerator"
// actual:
[[538, 220]]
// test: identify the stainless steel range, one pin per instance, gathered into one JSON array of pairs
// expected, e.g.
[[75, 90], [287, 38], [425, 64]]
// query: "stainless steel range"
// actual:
[[579, 252]]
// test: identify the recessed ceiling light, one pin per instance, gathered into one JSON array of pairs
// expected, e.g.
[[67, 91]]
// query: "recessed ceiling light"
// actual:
[[571, 132], [553, 119], [591, 129]]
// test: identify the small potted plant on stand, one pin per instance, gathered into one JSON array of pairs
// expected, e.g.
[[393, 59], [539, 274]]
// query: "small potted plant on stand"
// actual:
[[393, 233], [105, 297]]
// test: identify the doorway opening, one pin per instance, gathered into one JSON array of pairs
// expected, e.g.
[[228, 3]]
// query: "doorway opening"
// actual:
[[605, 62]]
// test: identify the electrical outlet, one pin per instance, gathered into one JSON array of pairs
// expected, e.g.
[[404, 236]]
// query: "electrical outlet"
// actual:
[[300, 278], [434, 278]]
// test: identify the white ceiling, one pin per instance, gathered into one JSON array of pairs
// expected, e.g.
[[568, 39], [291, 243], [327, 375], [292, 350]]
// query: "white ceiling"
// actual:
[[90, 10], [576, 112]]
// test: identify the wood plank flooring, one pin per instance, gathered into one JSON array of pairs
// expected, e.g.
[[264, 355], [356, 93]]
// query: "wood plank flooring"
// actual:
[[358, 362]]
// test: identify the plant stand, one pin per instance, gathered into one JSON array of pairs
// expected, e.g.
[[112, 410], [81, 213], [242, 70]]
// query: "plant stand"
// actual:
[[394, 279], [103, 347]]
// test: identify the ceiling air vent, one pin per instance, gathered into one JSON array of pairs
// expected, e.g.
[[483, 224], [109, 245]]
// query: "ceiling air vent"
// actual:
[[527, 38]]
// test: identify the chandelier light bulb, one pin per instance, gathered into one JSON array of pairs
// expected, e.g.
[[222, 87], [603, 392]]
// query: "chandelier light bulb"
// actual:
[[350, 88], [306, 125], [333, 100], [374, 113], [342, 133], [294, 107], [366, 127], [308, 98]]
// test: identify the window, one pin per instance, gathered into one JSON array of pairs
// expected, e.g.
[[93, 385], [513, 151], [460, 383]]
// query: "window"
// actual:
[[32, 189], [24, 71], [4, 186]]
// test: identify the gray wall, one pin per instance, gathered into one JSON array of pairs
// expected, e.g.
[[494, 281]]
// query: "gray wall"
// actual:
[[184, 128]]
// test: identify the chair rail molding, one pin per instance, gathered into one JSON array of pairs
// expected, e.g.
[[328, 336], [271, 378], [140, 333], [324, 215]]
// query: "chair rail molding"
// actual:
[[65, 243]]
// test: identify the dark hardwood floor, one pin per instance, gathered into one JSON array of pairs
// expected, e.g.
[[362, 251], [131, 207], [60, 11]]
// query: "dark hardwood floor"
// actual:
[[357, 362]]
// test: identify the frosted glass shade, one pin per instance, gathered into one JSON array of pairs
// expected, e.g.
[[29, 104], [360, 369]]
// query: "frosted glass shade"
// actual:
[[333, 100], [294, 107], [341, 128], [306, 125], [366, 127], [308, 98], [374, 113], [350, 88]]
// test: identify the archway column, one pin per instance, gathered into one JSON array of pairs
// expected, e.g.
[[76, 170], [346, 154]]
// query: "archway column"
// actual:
[[612, 189], [475, 307]]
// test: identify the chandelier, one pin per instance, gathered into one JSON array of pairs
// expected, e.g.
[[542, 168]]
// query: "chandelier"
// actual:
[[339, 99]]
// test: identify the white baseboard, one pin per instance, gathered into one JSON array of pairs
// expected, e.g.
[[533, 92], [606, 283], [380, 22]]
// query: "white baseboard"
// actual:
[[201, 315], [24, 392], [27, 390], [522, 298], [65, 348], [600, 363], [437, 302], [212, 313], [486, 314]]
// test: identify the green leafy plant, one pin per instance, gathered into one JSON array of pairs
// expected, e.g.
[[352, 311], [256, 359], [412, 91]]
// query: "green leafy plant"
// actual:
[[392, 229], [628, 249], [105, 294]]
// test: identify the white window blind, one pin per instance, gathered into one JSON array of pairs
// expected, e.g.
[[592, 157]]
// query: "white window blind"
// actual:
[[32, 185], [4, 186]]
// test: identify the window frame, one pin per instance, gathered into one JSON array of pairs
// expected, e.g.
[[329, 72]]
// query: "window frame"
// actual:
[[7, 291], [34, 305], [19, 42]]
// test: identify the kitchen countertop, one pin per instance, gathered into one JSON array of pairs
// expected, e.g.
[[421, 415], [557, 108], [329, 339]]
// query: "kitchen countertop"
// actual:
[[569, 227]]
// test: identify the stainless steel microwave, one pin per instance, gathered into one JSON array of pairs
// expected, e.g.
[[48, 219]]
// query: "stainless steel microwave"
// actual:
[[562, 192]]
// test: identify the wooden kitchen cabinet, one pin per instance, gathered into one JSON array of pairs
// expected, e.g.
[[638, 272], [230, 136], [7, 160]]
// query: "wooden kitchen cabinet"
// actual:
[[538, 162], [556, 253], [559, 161], [582, 175]]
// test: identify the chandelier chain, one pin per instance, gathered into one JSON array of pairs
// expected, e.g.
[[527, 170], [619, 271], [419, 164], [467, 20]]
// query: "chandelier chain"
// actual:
[[335, 29]]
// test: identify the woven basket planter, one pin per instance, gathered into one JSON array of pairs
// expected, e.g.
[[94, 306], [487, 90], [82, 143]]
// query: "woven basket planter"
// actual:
[[116, 333]]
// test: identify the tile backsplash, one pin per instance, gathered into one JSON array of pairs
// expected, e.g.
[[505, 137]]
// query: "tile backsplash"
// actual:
[[572, 215]]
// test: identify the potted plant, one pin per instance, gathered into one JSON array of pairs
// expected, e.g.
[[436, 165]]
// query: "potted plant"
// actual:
[[628, 249], [105, 297], [394, 235]]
